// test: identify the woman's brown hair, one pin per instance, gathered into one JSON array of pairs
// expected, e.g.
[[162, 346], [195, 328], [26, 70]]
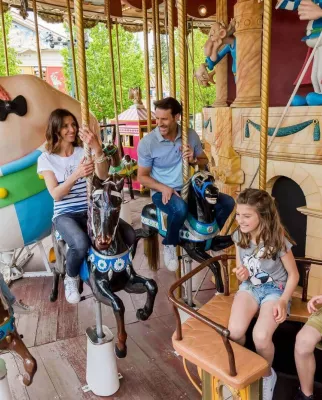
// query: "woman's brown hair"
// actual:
[[55, 125], [271, 230]]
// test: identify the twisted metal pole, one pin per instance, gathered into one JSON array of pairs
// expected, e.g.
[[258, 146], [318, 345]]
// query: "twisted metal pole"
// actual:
[[181, 7], [71, 38], [5, 49], [158, 48], [266, 53], [109, 33], [119, 63], [171, 49], [34, 6], [146, 64], [155, 59], [193, 80]]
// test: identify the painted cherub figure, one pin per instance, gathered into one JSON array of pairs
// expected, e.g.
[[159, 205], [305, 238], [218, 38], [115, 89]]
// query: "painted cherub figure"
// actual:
[[220, 35], [309, 11]]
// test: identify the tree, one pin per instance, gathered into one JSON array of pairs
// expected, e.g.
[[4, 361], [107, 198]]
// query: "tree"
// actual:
[[99, 75], [12, 55]]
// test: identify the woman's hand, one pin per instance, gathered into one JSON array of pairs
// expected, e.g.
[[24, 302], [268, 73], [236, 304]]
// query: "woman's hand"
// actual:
[[242, 273], [88, 137], [84, 169], [311, 305], [280, 311]]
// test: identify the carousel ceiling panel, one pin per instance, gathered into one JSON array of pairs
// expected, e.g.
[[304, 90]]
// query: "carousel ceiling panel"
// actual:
[[138, 3], [201, 8]]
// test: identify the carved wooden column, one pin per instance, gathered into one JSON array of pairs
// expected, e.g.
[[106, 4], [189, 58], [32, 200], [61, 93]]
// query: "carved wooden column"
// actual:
[[222, 67], [249, 21]]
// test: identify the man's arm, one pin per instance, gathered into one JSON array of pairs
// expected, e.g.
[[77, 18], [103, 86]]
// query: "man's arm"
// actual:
[[144, 177]]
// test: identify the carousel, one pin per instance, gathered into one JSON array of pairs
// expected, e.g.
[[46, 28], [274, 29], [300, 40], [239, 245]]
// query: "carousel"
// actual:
[[141, 331]]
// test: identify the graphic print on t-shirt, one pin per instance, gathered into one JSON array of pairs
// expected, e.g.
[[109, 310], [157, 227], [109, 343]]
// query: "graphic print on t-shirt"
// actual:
[[253, 263], [68, 171]]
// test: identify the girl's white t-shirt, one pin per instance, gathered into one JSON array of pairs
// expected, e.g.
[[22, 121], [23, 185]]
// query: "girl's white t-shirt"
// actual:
[[63, 167]]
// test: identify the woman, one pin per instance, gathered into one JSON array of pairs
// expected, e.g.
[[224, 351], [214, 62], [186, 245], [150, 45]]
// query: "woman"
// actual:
[[64, 169]]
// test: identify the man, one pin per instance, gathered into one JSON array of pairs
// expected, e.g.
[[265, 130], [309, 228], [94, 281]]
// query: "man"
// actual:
[[160, 169]]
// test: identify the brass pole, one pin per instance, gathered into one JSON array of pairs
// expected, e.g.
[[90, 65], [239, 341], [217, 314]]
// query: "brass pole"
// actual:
[[171, 50], [146, 64], [193, 81], [5, 49], [34, 6], [156, 65], [158, 48], [181, 7], [109, 32], [78, 6], [71, 38], [119, 63], [267, 27]]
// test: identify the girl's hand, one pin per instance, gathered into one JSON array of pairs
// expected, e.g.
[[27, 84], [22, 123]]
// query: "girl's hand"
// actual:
[[84, 169], [242, 273], [311, 305], [279, 311], [88, 137]]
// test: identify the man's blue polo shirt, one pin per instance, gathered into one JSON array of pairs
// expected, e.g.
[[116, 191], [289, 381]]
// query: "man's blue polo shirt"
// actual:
[[165, 157]]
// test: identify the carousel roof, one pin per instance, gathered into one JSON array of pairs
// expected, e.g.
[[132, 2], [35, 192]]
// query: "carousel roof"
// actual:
[[127, 12]]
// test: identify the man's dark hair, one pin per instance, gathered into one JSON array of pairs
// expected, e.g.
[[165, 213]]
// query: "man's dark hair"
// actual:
[[169, 103]]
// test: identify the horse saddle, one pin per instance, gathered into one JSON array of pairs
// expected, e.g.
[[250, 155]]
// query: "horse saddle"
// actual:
[[192, 231]]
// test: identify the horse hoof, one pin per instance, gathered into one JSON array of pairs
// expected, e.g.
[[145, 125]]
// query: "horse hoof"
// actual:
[[142, 315], [53, 297], [120, 353]]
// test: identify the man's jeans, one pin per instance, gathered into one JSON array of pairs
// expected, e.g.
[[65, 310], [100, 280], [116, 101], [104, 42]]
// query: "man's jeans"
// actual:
[[7, 293], [177, 211], [73, 229]]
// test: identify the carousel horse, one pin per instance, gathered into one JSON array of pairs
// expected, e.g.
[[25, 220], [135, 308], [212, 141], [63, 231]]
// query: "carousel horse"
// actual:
[[123, 166], [108, 267], [200, 232], [10, 340]]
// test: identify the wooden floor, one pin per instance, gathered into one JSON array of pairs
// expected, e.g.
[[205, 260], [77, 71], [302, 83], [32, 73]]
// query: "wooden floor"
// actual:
[[55, 335]]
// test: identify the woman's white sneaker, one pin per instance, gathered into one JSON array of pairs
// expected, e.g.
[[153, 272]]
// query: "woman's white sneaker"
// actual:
[[71, 289], [269, 383]]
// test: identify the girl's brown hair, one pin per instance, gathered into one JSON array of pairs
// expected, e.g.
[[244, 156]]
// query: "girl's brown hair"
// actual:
[[55, 125], [271, 231]]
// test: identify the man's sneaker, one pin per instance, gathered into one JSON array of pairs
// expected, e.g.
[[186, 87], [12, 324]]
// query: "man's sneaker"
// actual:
[[170, 258], [21, 308], [71, 289], [269, 383], [301, 396]]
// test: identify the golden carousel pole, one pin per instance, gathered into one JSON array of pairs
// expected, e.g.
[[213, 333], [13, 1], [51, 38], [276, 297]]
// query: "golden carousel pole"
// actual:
[[34, 6], [119, 63], [171, 49], [146, 64], [155, 56], [5, 49], [266, 52], [158, 48], [71, 38], [193, 81], [109, 33]]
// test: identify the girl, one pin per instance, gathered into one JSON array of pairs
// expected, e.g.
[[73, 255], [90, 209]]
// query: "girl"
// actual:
[[64, 169], [266, 267]]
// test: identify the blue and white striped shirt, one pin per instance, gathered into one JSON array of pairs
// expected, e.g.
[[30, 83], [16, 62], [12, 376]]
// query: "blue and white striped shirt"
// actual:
[[63, 167]]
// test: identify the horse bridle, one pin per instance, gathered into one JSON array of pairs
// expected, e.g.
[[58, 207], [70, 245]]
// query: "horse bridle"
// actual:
[[204, 175]]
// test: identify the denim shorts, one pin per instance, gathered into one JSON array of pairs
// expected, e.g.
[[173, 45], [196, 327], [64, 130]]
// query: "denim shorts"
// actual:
[[263, 293]]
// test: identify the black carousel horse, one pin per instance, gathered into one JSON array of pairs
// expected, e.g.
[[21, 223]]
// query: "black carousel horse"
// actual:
[[108, 268], [200, 232]]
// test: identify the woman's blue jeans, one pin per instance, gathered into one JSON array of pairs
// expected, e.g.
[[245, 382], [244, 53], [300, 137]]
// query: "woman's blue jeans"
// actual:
[[177, 211], [73, 229]]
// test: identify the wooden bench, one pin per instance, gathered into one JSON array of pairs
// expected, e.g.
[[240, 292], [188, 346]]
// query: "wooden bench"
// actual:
[[204, 339]]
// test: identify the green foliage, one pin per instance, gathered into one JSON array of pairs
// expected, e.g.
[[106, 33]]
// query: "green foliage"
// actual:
[[99, 76], [12, 55]]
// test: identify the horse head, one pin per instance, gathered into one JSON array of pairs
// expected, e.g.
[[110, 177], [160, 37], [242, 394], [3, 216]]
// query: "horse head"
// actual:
[[203, 184], [104, 211]]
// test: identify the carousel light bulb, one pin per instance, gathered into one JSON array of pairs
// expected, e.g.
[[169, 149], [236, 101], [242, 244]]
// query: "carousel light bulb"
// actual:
[[202, 10]]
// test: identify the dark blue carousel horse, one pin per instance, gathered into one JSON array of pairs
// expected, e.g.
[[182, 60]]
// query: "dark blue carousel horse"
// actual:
[[200, 232], [108, 268]]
